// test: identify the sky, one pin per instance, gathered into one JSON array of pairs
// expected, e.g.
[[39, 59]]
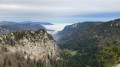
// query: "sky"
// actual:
[[59, 11]]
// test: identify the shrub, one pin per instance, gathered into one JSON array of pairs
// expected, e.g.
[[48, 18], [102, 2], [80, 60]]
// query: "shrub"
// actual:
[[5, 61], [19, 65], [9, 62]]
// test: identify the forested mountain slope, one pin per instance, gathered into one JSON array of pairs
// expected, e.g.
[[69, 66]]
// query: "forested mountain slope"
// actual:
[[89, 42], [72, 30]]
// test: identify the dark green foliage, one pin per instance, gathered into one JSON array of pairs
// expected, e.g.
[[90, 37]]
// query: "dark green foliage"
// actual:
[[50, 37], [5, 61], [12, 42], [28, 60], [39, 64], [4, 48], [88, 43], [56, 63], [9, 62], [19, 35], [18, 56], [31, 65], [86, 57], [39, 31], [19, 65], [109, 54]]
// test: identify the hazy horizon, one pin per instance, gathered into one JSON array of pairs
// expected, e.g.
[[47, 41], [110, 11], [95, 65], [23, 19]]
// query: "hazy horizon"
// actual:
[[59, 11], [60, 26]]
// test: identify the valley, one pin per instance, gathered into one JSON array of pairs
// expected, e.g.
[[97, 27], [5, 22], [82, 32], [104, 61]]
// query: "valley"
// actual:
[[79, 45], [59, 33]]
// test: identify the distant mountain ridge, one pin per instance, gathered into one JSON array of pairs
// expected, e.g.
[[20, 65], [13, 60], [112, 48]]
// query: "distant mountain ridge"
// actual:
[[10, 22], [6, 28], [6, 22], [41, 23]]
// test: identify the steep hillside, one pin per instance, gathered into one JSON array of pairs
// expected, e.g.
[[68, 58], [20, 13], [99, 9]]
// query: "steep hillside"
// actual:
[[72, 30], [88, 43], [102, 33], [19, 27], [27, 48]]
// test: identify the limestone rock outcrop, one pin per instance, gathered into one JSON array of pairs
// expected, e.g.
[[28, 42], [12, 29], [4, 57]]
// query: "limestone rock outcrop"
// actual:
[[33, 44]]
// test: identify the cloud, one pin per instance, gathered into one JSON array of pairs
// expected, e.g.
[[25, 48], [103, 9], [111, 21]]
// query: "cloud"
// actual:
[[47, 10], [56, 27]]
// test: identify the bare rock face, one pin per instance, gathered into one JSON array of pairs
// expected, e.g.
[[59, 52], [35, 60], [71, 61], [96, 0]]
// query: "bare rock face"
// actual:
[[31, 44]]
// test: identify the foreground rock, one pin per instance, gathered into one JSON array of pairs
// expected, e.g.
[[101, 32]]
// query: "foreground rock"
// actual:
[[36, 45]]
